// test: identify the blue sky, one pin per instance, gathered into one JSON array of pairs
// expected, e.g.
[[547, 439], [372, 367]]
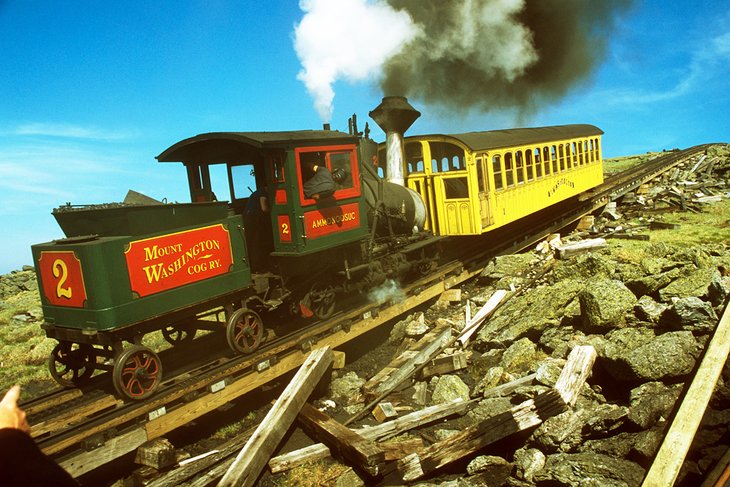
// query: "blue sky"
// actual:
[[93, 91]]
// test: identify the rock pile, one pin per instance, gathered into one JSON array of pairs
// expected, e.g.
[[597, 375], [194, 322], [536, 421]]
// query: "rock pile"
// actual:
[[18, 282], [648, 314], [648, 319]]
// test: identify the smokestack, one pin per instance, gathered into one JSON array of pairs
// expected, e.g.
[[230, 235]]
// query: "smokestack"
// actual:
[[326, 126], [395, 115]]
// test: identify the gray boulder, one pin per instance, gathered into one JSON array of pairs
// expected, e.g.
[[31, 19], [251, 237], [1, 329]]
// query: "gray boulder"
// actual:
[[695, 283], [653, 283], [605, 302], [448, 388], [528, 461], [521, 357], [528, 316], [647, 309], [346, 387], [690, 314], [590, 469], [644, 359], [719, 289], [652, 401], [506, 268]]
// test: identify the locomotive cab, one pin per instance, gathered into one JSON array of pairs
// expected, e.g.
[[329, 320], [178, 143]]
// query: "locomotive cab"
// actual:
[[267, 175]]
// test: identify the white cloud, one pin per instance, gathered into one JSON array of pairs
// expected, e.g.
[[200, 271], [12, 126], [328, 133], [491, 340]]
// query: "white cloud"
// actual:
[[69, 131], [708, 63]]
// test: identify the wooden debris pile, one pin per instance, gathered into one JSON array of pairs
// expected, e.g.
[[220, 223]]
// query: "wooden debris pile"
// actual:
[[686, 187]]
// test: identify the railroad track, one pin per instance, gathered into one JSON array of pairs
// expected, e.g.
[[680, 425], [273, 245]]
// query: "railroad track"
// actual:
[[83, 430]]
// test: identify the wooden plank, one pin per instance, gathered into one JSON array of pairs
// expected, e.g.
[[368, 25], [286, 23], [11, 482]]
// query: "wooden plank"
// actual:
[[475, 437], [338, 360], [444, 365], [479, 318], [158, 454], [350, 446], [657, 225], [34, 406], [565, 251], [397, 449], [406, 363], [68, 417], [575, 373], [383, 411], [89, 460], [256, 452], [425, 416], [521, 417], [671, 454], [630, 236]]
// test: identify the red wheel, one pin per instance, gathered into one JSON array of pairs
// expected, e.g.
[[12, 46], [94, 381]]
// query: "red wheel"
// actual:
[[72, 364], [137, 373], [244, 331]]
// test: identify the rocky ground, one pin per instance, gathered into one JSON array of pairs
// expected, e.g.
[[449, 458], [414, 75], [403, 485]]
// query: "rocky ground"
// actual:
[[648, 307]]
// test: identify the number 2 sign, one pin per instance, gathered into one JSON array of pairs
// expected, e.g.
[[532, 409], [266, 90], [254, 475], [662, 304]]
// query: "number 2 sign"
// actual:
[[62, 279]]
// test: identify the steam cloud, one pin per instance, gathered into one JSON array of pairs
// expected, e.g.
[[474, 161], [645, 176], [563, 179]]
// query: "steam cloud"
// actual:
[[348, 39], [389, 290], [461, 54]]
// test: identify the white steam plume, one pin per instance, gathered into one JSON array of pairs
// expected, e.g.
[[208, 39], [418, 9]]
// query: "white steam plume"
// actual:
[[388, 291], [346, 39]]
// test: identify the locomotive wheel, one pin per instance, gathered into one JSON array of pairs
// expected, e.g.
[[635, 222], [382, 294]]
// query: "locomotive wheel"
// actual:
[[244, 331], [137, 373], [322, 298], [177, 334], [72, 364]]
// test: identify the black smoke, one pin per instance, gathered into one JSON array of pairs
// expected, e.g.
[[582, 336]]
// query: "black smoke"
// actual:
[[500, 54]]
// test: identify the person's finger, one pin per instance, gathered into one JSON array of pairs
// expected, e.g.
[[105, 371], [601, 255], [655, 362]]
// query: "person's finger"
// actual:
[[12, 396]]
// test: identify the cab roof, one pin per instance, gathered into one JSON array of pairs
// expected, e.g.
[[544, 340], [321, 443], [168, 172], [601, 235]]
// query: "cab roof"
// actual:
[[222, 146]]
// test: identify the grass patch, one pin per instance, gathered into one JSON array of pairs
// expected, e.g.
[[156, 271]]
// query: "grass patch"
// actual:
[[616, 165], [322, 473], [711, 226]]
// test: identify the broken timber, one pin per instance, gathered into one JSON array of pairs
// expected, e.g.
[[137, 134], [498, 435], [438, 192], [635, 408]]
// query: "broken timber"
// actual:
[[353, 448], [252, 458], [407, 362], [565, 251], [484, 312], [390, 428], [521, 417], [669, 459], [396, 426], [444, 365]]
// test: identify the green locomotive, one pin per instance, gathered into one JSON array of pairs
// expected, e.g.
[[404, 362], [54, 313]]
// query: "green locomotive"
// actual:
[[125, 270]]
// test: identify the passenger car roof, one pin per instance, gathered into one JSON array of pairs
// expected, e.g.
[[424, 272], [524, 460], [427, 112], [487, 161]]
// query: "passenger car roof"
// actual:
[[497, 139]]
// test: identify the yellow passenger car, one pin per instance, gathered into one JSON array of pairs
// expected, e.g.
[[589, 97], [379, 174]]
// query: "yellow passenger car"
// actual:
[[477, 181]]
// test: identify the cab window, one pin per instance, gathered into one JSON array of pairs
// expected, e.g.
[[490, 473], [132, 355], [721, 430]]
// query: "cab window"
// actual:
[[341, 162]]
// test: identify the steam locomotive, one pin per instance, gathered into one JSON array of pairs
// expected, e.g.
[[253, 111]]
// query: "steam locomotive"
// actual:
[[125, 270]]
